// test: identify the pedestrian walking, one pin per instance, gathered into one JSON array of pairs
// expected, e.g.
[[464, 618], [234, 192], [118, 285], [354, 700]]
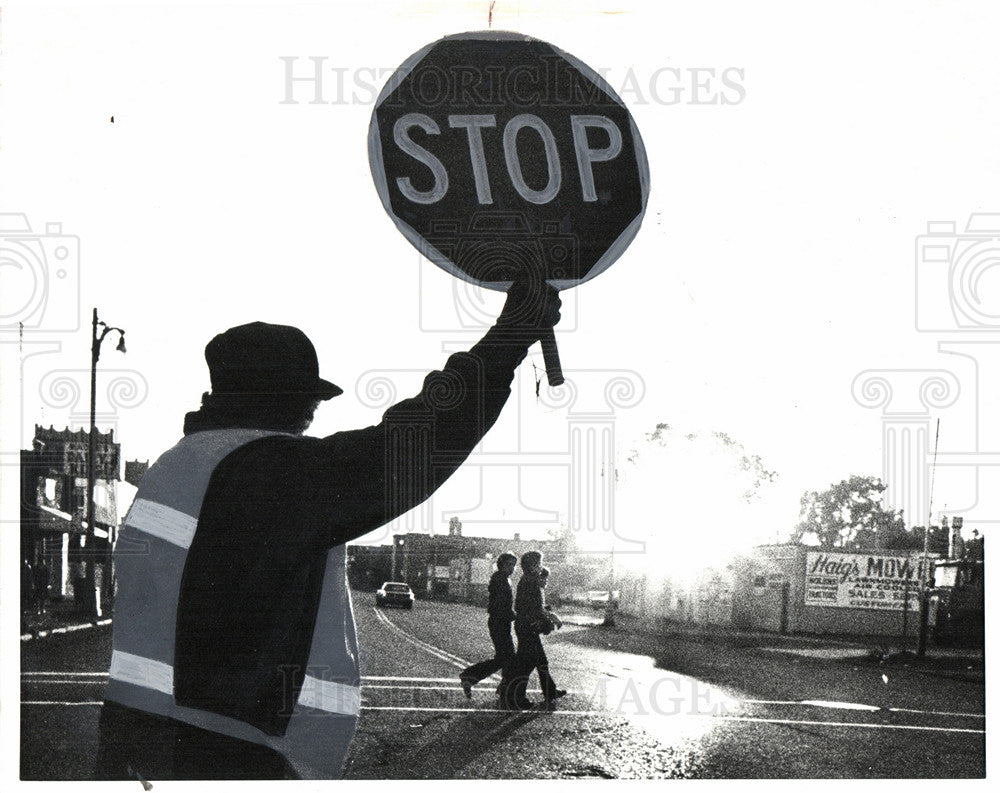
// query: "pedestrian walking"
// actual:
[[531, 623], [555, 621], [234, 653], [550, 620], [500, 609]]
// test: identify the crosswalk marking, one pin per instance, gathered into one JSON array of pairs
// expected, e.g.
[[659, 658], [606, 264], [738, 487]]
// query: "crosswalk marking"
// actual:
[[426, 684], [604, 713]]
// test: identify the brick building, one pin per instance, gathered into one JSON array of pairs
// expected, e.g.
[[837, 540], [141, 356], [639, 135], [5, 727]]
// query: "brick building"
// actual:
[[54, 504], [455, 567]]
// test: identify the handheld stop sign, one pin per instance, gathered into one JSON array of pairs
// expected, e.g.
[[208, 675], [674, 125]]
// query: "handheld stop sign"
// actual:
[[501, 157]]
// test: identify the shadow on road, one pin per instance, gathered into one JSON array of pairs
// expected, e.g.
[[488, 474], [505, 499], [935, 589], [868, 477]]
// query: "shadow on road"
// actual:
[[441, 755]]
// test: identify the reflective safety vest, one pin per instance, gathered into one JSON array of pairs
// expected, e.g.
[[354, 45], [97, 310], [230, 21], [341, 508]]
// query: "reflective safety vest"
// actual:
[[149, 561]]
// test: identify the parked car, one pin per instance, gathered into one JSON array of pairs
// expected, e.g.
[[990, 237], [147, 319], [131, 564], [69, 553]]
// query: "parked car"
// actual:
[[598, 598], [394, 593], [594, 598]]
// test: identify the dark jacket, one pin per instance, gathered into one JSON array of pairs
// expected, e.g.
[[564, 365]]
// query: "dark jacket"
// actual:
[[501, 604], [529, 605], [253, 574]]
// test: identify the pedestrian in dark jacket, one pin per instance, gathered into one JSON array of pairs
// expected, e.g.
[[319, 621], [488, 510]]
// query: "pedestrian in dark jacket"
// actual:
[[532, 621], [501, 613], [234, 654], [555, 621]]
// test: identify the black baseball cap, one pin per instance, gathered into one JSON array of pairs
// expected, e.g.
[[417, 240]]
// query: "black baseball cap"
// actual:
[[260, 358]]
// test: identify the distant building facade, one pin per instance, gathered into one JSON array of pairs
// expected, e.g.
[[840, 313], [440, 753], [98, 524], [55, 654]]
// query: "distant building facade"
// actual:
[[54, 504], [803, 589], [456, 567], [957, 606]]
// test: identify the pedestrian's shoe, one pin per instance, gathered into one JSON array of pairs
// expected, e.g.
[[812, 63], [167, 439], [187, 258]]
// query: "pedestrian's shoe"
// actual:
[[557, 694], [466, 686]]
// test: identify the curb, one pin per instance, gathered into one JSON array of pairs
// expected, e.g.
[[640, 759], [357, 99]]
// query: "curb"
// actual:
[[27, 637]]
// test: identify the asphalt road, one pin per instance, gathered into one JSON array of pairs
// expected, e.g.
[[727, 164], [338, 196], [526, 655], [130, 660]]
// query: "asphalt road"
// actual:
[[640, 706]]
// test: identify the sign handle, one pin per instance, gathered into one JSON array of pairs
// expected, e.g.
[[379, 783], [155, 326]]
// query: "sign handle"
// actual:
[[553, 369]]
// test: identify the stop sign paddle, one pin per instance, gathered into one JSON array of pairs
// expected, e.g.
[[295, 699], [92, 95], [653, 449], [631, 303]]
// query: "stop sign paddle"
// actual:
[[501, 157]]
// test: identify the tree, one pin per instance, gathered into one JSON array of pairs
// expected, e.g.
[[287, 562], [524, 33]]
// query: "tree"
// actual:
[[564, 539], [851, 515], [937, 542], [974, 547], [748, 469], [691, 499]]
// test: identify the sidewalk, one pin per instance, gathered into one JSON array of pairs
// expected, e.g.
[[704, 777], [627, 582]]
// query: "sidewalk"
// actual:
[[884, 650], [61, 616]]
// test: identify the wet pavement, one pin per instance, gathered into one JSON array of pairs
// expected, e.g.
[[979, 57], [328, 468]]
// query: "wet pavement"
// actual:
[[677, 702]]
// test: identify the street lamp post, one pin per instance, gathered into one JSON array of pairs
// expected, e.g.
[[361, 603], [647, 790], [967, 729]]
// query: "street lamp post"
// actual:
[[95, 354]]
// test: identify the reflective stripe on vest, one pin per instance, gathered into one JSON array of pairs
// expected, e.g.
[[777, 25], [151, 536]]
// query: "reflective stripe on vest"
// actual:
[[149, 559], [318, 694]]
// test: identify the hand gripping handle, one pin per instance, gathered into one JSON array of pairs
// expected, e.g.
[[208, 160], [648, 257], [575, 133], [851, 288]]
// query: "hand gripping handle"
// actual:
[[551, 354]]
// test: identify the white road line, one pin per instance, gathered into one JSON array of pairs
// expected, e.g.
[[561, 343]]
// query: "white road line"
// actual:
[[364, 677], [824, 703], [43, 675], [44, 682], [447, 688], [67, 629], [437, 652], [488, 710], [369, 687], [415, 679], [938, 713], [26, 678], [856, 706], [862, 724], [790, 722]]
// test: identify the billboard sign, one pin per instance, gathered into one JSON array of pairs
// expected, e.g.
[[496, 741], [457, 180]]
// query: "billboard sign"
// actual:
[[864, 581]]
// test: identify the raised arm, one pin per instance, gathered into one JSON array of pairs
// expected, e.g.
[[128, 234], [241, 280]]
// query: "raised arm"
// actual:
[[420, 442]]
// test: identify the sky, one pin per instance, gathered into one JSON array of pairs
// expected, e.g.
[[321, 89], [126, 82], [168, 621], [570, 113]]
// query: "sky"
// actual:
[[782, 288]]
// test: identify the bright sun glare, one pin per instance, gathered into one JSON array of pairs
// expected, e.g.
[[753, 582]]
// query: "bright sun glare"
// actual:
[[693, 500]]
